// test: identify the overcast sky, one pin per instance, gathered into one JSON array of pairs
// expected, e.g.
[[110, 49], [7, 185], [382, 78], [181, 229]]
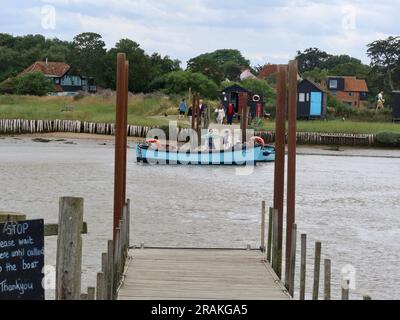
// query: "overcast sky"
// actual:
[[264, 31]]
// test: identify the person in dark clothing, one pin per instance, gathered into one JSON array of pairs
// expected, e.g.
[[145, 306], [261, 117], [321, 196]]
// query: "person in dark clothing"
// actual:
[[190, 114], [230, 112]]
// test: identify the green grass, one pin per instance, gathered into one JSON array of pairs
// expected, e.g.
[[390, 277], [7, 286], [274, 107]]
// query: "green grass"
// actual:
[[141, 109], [149, 110], [338, 126]]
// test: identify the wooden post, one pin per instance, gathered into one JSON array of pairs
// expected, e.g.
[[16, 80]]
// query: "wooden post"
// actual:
[[110, 270], [327, 279], [117, 261], [120, 148], [91, 293], [346, 291], [198, 119], [317, 267], [243, 97], [292, 263], [270, 222], [303, 267], [279, 179], [275, 241], [100, 286], [263, 227], [69, 249], [291, 158]]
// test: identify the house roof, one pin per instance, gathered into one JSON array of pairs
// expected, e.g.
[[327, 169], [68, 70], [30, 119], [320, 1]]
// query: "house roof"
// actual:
[[235, 87], [316, 85], [355, 85], [55, 69], [247, 74], [352, 84]]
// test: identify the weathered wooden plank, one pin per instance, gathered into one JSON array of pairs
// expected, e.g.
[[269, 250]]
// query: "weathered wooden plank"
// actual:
[[51, 229], [200, 274]]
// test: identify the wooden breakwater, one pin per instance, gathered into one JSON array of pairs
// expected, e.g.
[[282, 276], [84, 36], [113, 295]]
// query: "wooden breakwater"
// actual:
[[315, 138], [21, 126]]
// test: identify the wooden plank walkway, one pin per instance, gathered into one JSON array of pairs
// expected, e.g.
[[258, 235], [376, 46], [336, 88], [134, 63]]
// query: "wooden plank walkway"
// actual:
[[199, 274]]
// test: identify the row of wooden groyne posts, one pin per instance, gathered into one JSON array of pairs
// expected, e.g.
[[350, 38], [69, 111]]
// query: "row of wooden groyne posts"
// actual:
[[21, 126]]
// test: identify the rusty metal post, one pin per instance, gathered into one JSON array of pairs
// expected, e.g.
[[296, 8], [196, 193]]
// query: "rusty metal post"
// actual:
[[279, 179], [125, 126], [120, 132], [291, 169]]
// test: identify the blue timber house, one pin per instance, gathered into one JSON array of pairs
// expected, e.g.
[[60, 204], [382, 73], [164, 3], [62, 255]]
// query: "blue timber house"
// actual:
[[66, 79], [311, 100]]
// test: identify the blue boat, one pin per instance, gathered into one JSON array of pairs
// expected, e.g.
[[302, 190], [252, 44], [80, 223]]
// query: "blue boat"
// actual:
[[238, 155]]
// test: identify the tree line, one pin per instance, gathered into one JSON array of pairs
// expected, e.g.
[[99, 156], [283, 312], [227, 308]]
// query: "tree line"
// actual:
[[206, 73]]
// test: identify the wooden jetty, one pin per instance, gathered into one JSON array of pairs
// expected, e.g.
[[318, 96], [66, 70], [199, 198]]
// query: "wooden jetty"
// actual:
[[200, 274]]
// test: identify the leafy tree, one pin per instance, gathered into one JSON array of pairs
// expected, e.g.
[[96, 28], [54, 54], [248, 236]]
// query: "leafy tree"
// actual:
[[206, 65], [334, 61], [179, 82], [317, 75], [232, 70], [88, 55], [219, 65], [139, 65], [311, 58], [35, 83], [385, 55]]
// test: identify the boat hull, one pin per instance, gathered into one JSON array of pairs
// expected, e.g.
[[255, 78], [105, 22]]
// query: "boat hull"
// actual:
[[242, 156]]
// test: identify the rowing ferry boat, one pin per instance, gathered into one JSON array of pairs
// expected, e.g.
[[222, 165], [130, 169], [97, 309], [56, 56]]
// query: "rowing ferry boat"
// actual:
[[241, 154]]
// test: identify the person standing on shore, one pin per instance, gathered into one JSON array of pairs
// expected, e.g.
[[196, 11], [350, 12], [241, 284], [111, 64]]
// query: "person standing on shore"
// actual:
[[182, 109], [190, 114], [220, 115], [230, 113], [380, 101]]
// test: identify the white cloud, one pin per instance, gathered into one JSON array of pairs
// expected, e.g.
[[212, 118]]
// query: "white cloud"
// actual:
[[265, 31]]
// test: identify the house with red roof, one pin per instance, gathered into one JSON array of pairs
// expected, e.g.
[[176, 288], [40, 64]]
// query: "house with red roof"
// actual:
[[66, 79], [349, 90]]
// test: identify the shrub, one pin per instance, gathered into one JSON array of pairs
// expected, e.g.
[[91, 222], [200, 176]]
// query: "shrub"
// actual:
[[388, 138], [35, 84], [7, 86], [179, 82]]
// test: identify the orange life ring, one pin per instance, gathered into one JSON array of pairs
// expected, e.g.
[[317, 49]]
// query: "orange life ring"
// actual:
[[155, 141], [258, 140]]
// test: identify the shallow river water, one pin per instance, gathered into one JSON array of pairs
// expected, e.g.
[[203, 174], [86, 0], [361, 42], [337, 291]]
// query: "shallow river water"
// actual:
[[351, 204]]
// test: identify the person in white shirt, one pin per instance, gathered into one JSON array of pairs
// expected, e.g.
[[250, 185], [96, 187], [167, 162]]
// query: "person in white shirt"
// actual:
[[220, 115], [381, 101]]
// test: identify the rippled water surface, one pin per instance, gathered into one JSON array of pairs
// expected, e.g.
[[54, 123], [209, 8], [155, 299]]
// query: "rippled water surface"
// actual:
[[351, 204]]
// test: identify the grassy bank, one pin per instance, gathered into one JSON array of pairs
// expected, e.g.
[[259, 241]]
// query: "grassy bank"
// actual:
[[142, 109], [149, 110]]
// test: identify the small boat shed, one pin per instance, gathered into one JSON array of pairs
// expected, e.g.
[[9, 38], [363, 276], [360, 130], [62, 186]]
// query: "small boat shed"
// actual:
[[237, 95], [311, 100], [396, 105]]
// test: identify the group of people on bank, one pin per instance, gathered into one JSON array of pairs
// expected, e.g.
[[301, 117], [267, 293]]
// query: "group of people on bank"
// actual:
[[221, 112]]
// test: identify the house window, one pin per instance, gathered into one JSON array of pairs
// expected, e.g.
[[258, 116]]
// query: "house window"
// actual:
[[333, 84], [57, 80], [307, 97], [351, 94], [302, 97]]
